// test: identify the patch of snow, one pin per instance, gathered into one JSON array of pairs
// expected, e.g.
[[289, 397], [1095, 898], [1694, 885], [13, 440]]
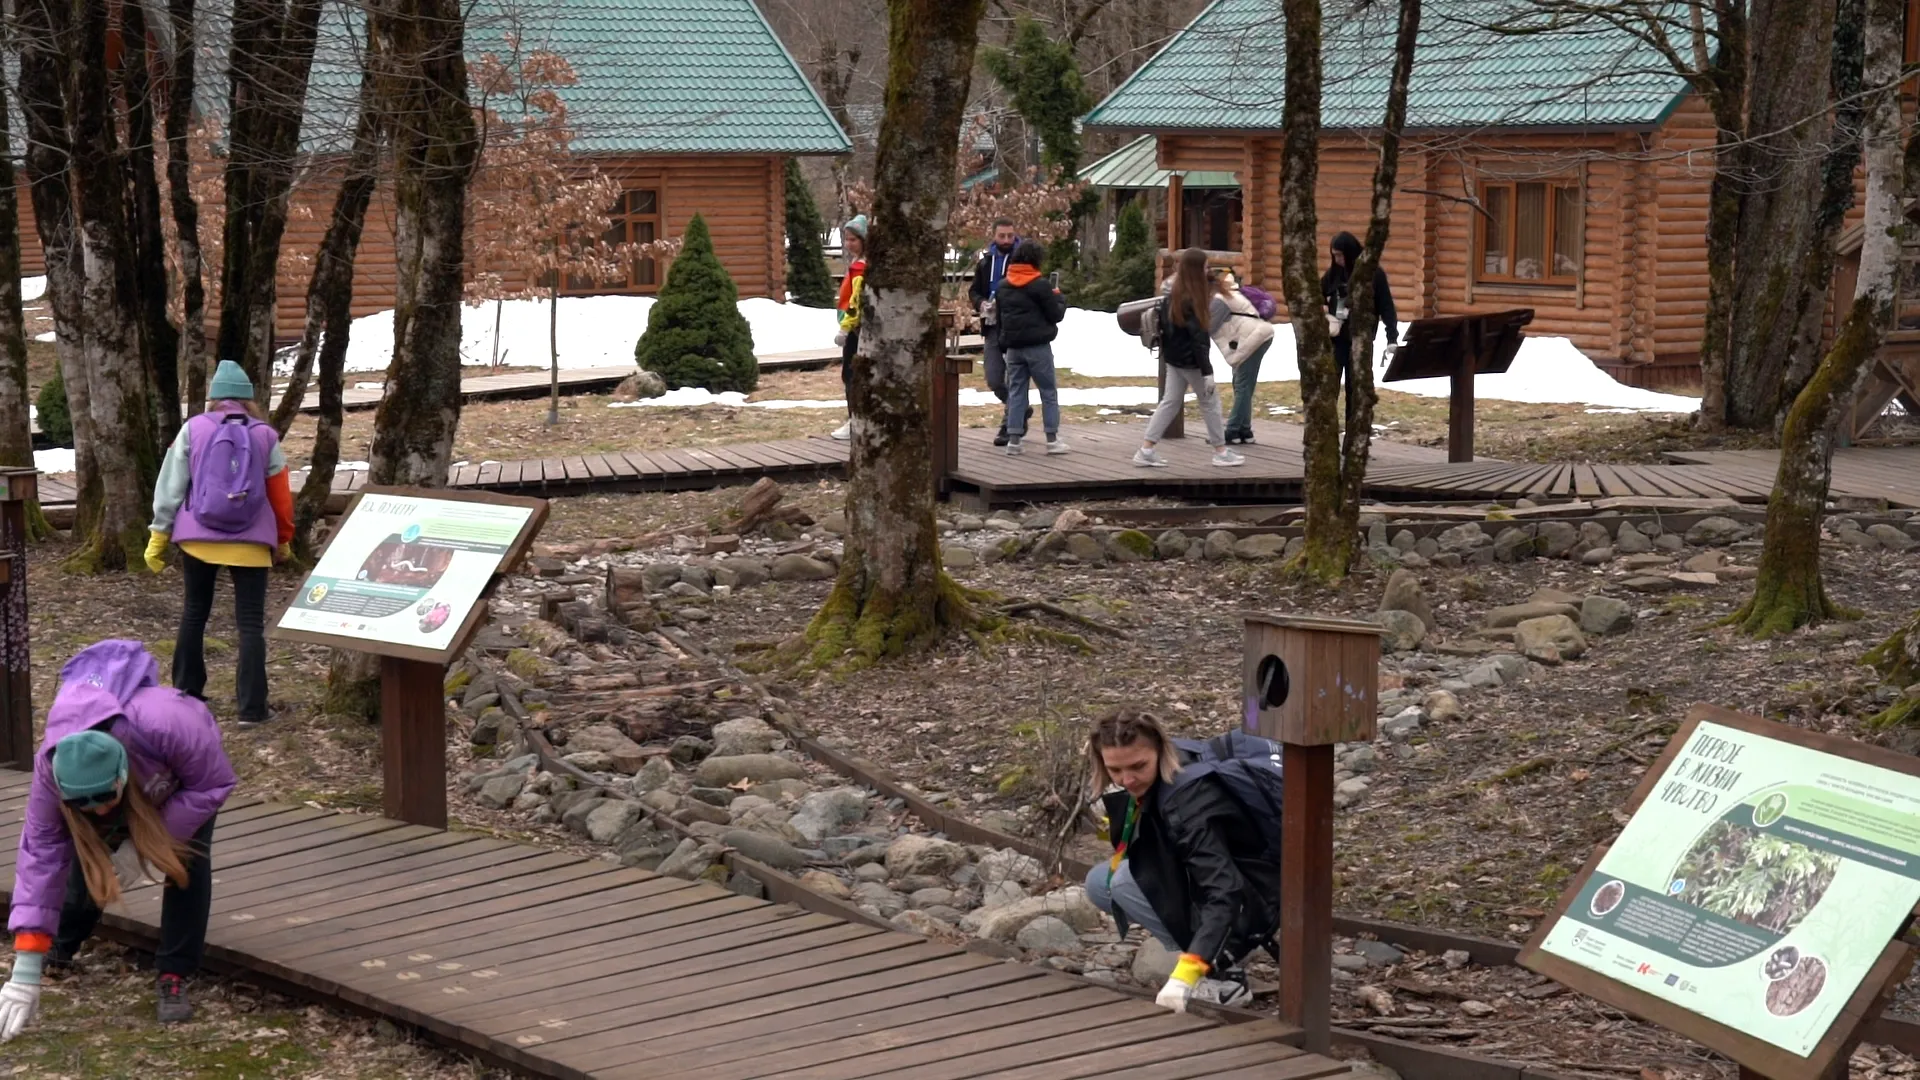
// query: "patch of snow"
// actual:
[[49, 337], [56, 460], [693, 397], [344, 466], [32, 288]]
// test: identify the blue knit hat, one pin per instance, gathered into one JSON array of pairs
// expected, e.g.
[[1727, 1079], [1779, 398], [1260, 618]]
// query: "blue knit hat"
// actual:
[[230, 383], [88, 763], [858, 226]]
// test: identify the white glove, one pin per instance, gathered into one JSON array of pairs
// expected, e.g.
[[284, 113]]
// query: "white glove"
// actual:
[[1174, 995], [840, 340], [1333, 326], [1207, 385], [126, 865], [18, 1003]]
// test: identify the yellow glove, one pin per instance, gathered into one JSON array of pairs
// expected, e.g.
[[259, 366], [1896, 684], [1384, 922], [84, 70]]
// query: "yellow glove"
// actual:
[[284, 553], [157, 551], [1179, 988]]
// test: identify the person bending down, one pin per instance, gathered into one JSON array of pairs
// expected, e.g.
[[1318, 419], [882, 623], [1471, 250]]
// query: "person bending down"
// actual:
[[1191, 865]]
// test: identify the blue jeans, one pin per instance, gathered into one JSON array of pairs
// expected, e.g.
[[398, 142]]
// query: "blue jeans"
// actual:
[[1123, 900], [1031, 363], [1244, 378]]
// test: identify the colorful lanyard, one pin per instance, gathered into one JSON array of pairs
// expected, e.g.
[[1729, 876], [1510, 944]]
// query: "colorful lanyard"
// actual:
[[1126, 837]]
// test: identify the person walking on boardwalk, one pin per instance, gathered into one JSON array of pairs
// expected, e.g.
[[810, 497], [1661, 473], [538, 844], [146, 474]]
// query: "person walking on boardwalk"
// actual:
[[1189, 314], [1243, 337], [127, 784], [1335, 290], [1195, 830], [223, 497], [988, 273], [853, 241], [1030, 309]]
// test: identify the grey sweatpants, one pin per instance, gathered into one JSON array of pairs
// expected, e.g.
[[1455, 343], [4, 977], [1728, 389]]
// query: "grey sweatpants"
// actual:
[[1174, 399]]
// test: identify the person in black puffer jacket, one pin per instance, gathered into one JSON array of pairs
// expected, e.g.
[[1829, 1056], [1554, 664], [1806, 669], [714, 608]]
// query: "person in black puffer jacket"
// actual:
[[1030, 309], [1190, 864]]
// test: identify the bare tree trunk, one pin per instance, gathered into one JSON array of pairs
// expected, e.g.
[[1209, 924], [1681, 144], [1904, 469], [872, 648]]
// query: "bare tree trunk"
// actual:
[[271, 56], [16, 430], [836, 86], [44, 37], [1725, 89], [1333, 492], [124, 449], [1776, 313], [331, 285], [1789, 591], [891, 593], [159, 340], [421, 83], [192, 361]]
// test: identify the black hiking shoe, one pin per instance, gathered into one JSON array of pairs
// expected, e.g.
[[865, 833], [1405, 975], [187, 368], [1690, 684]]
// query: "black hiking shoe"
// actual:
[[1001, 439], [174, 1006]]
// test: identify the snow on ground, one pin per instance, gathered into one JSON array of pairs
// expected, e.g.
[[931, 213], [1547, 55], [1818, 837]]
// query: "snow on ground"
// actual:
[[49, 337], [689, 397], [32, 288], [57, 460]]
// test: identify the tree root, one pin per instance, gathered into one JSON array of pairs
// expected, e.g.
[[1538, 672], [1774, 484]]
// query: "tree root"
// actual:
[[1019, 606], [103, 554], [38, 527], [1783, 609], [846, 635]]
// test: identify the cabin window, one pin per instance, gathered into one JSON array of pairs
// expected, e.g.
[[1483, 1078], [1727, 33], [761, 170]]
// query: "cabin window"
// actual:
[[634, 218], [1530, 233]]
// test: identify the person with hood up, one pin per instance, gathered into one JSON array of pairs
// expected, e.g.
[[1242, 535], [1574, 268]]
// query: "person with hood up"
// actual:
[[853, 242], [1335, 291], [223, 498], [1031, 308], [127, 784], [988, 273]]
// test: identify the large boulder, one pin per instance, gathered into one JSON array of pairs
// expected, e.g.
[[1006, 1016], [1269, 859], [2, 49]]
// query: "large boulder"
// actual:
[[719, 772], [640, 385], [744, 735], [1550, 639], [1403, 593], [625, 754], [915, 854], [1605, 615]]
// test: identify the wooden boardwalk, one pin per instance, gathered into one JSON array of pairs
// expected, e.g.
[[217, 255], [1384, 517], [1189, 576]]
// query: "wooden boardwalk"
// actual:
[[575, 968]]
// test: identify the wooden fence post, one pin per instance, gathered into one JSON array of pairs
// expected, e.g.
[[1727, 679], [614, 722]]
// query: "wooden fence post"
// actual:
[[17, 488], [413, 741], [946, 419]]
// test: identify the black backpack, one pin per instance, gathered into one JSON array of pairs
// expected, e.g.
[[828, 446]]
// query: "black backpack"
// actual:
[[1249, 767]]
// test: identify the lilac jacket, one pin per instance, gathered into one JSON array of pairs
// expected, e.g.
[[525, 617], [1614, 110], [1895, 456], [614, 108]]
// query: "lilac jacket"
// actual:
[[173, 493], [173, 749]]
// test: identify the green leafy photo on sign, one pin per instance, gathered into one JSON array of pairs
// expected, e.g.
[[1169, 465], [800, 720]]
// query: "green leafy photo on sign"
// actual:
[[1753, 877]]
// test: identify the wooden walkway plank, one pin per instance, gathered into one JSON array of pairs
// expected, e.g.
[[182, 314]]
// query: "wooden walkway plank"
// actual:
[[1169, 1059], [983, 1053]]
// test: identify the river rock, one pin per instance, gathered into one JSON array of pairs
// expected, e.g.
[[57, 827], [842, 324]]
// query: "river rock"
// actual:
[[1599, 556], [824, 813], [720, 772], [745, 735], [1515, 614], [690, 860], [1629, 540], [883, 901], [1260, 547], [797, 567], [1715, 532], [1153, 962], [1070, 905], [1001, 893], [826, 884], [589, 761], [625, 754], [918, 922], [1087, 548], [496, 793], [1558, 540], [1550, 639], [655, 774], [610, 819], [958, 557], [760, 847], [575, 817], [1594, 535], [1219, 545], [688, 749], [1047, 934], [1403, 593], [1605, 615], [916, 854], [1890, 538], [1645, 561], [746, 572], [1171, 544], [1513, 544], [1648, 583], [1007, 864], [1405, 631], [1442, 707], [1464, 538], [932, 896]]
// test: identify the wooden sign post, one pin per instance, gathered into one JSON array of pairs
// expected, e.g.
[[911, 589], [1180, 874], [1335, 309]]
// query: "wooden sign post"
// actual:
[[1458, 348], [405, 576], [17, 488], [1758, 901], [1310, 683], [946, 419]]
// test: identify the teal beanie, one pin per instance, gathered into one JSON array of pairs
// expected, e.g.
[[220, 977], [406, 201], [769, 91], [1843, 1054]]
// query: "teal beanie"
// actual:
[[88, 763], [230, 383], [858, 226]]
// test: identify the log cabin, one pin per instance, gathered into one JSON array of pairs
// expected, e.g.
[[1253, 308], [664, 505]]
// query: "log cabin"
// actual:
[[1567, 172], [694, 106]]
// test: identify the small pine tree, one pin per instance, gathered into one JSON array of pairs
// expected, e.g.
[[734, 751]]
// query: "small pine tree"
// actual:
[[807, 276], [1127, 271], [56, 423], [696, 335]]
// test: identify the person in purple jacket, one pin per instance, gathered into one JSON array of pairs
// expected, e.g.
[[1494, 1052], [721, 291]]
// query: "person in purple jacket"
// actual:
[[127, 784]]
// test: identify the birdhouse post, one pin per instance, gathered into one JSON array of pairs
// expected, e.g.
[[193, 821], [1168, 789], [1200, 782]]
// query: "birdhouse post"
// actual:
[[1310, 683]]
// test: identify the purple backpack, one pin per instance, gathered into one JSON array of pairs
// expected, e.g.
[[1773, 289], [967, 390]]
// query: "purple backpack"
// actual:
[[1261, 299], [229, 484]]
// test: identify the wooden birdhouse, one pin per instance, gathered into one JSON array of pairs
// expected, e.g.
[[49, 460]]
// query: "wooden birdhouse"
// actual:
[[1311, 681]]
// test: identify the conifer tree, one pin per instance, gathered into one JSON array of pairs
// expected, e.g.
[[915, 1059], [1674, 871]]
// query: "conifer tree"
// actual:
[[1127, 271], [808, 279], [696, 335]]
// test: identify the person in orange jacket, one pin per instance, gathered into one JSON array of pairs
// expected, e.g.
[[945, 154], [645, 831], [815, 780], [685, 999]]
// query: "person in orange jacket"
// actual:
[[853, 241]]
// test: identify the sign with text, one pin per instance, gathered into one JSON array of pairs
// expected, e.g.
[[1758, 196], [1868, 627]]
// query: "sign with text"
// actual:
[[1757, 885], [407, 569]]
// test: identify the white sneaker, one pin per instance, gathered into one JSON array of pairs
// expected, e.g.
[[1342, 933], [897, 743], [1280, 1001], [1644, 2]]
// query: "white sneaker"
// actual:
[[1222, 991], [1056, 446], [844, 431], [1150, 459], [1227, 459], [1013, 446]]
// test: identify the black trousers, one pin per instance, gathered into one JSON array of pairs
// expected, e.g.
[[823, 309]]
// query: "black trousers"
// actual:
[[249, 614], [183, 912]]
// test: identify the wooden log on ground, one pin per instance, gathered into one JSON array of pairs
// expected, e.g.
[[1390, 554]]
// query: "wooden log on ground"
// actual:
[[755, 506]]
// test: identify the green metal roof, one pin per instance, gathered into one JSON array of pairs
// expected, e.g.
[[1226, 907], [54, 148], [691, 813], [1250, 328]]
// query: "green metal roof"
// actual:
[[1137, 165], [655, 76], [1227, 72]]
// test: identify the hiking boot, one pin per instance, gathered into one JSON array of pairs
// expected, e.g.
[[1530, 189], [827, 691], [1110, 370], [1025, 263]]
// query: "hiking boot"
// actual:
[[1149, 459], [1001, 439], [174, 1006]]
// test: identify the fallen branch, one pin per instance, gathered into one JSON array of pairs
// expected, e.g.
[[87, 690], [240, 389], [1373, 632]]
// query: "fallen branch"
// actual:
[[1022, 607]]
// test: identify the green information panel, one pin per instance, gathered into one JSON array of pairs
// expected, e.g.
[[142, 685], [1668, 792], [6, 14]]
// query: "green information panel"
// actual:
[[1757, 885]]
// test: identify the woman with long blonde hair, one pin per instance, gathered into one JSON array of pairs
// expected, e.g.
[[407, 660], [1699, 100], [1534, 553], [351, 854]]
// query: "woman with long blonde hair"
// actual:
[[126, 784]]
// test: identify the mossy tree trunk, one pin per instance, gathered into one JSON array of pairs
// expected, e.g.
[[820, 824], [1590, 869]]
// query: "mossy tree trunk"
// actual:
[[420, 84], [124, 444], [43, 33], [268, 65], [16, 430], [1723, 85], [1323, 558], [1897, 659], [1775, 288], [146, 248], [1789, 591], [1334, 486], [891, 593], [191, 364]]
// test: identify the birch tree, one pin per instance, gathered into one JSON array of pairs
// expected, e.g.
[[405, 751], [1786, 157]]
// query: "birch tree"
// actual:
[[891, 593], [1336, 454], [1789, 591]]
